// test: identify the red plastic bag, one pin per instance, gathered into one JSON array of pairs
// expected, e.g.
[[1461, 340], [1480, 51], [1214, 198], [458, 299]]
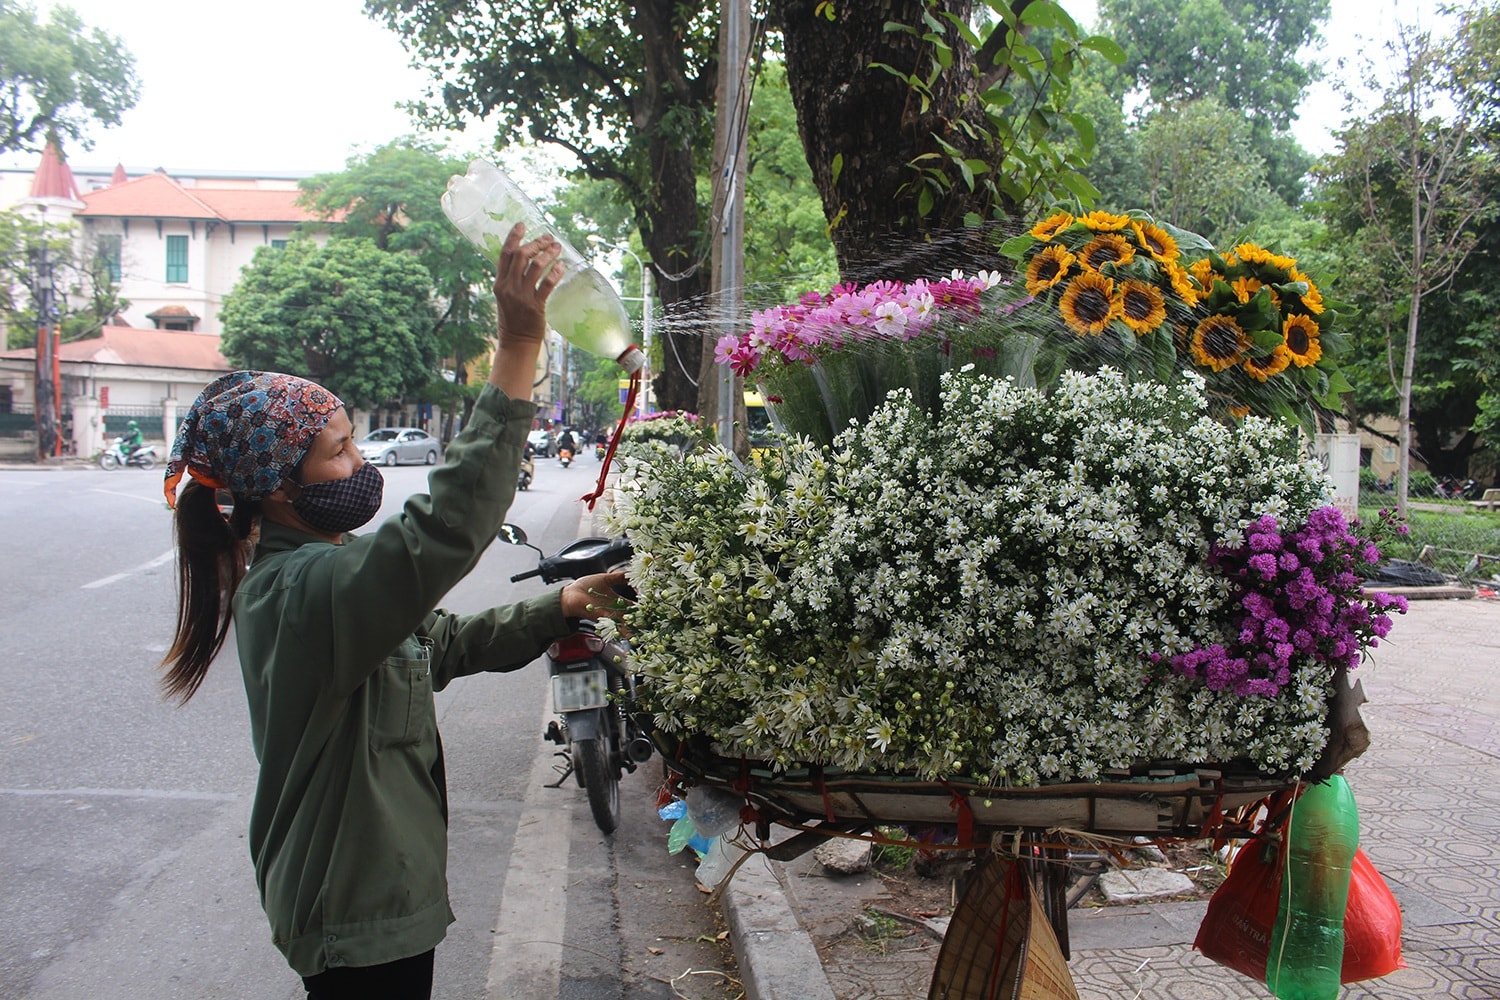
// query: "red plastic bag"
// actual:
[[1372, 925], [1236, 931]]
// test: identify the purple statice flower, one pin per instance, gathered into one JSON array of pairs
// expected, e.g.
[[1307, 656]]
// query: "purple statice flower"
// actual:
[[1300, 597]]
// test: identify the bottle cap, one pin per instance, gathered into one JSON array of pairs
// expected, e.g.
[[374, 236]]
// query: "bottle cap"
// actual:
[[632, 360]]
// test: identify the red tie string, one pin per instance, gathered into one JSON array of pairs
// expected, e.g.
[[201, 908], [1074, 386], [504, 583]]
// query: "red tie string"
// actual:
[[614, 440]]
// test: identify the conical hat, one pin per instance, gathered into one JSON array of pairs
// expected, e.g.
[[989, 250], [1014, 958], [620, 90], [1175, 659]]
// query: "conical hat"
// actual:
[[999, 943]]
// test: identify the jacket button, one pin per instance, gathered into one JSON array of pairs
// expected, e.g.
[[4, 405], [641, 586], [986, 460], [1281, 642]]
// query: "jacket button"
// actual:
[[332, 938]]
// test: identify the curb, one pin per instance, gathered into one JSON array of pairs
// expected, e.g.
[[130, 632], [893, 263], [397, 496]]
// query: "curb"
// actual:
[[776, 957]]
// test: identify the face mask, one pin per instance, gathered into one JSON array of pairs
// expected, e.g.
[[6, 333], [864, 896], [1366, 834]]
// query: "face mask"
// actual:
[[341, 505]]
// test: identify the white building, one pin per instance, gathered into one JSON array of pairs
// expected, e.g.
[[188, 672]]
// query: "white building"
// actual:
[[175, 245]]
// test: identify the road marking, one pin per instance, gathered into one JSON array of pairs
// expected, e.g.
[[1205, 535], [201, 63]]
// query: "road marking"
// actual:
[[165, 557], [526, 957], [154, 501], [121, 793]]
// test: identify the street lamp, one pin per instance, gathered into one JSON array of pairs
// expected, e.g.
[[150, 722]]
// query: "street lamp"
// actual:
[[645, 301]]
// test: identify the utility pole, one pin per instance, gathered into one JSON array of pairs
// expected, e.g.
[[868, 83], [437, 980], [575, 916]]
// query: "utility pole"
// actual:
[[46, 397], [717, 383]]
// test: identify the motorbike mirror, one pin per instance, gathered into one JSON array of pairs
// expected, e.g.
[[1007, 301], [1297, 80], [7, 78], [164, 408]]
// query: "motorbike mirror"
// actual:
[[512, 533]]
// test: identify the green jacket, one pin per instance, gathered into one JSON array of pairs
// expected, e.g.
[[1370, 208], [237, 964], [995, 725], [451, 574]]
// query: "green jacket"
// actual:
[[341, 651]]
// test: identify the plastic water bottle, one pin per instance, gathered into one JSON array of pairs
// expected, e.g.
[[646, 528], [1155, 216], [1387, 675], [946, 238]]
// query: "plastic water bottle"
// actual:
[[1307, 943], [485, 205]]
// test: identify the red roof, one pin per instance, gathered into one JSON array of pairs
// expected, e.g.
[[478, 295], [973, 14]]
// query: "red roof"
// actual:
[[53, 178], [127, 345], [157, 196]]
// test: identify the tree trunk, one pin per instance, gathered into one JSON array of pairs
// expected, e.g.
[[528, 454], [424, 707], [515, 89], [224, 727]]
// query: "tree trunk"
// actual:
[[875, 121], [669, 221]]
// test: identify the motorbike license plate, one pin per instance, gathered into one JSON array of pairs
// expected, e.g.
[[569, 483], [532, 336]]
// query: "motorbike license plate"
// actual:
[[580, 690]]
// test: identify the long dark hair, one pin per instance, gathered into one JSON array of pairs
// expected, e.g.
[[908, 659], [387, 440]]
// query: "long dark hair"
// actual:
[[212, 555]]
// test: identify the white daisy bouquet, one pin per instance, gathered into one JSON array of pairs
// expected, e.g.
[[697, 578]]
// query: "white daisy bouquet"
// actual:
[[1009, 586]]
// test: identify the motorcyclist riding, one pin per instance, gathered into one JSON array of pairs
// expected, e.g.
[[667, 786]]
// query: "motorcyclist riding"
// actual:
[[132, 440]]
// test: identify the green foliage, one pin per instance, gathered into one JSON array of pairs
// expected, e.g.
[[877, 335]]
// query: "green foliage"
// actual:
[[1246, 55], [58, 77], [1243, 53], [1201, 171], [1023, 68], [787, 247], [85, 296], [347, 315], [391, 197]]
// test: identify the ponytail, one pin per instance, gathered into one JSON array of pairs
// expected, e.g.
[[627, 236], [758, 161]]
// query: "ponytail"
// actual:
[[212, 556]]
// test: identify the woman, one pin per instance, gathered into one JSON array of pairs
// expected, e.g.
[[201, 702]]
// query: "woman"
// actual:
[[340, 645]]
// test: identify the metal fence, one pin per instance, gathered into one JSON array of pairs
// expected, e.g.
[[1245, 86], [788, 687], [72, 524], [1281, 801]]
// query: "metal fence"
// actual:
[[1468, 568]]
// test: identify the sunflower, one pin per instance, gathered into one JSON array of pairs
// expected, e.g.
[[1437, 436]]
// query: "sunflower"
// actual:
[[1219, 343], [1104, 222], [1239, 411], [1301, 333], [1156, 241], [1047, 269], [1313, 300], [1089, 303], [1203, 272], [1245, 288], [1142, 307], [1106, 248], [1252, 253], [1274, 363], [1048, 228], [1182, 283]]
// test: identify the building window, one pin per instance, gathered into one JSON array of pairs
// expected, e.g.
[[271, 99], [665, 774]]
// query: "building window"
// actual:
[[1387, 453], [109, 255], [177, 270], [278, 244]]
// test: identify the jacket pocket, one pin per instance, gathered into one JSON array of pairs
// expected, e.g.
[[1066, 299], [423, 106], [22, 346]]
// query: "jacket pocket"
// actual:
[[402, 712]]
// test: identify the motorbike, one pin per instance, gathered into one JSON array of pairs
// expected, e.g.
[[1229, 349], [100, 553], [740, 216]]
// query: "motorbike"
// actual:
[[593, 688], [599, 450], [114, 457], [528, 470], [565, 456]]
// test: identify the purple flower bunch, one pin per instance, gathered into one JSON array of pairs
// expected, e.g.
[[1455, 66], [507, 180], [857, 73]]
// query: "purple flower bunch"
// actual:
[[1300, 596], [848, 313]]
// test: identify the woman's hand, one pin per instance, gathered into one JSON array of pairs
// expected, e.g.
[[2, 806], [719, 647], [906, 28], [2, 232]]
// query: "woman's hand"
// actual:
[[594, 597], [525, 276]]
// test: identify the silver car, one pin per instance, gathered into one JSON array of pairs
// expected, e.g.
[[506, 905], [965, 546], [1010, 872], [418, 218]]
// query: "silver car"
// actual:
[[400, 445]]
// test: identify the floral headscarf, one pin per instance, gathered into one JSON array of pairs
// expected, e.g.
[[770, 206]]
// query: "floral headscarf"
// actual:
[[247, 431]]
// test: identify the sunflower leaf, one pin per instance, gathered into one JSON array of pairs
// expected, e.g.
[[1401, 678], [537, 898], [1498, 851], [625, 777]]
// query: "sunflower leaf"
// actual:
[[1015, 247]]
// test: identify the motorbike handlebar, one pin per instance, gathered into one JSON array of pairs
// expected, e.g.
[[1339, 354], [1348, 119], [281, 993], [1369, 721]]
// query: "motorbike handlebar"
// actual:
[[526, 575]]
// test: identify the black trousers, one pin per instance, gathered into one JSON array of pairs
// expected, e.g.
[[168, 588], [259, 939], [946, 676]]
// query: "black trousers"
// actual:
[[407, 979]]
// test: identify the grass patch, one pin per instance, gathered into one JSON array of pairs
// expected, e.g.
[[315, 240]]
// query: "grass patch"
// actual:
[[1452, 541]]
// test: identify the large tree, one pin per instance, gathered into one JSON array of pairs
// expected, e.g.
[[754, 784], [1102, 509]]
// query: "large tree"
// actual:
[[58, 78], [628, 88], [1249, 55], [922, 121], [1410, 185], [391, 197], [347, 314]]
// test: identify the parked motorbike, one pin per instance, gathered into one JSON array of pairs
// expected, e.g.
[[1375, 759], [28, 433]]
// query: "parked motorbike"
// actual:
[[114, 457], [528, 470], [593, 688], [565, 456]]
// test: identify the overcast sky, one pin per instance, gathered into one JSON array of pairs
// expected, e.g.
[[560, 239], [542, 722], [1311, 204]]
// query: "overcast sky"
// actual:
[[296, 86]]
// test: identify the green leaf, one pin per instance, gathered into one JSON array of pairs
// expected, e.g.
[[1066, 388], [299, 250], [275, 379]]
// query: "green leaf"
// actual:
[[1015, 248], [925, 202], [1078, 186], [1040, 15], [1106, 47], [837, 167], [1084, 126]]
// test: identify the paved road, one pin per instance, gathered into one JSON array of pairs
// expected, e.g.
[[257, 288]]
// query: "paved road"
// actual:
[[124, 871]]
